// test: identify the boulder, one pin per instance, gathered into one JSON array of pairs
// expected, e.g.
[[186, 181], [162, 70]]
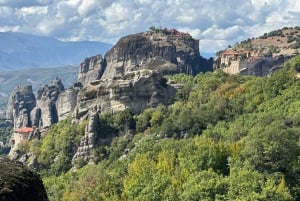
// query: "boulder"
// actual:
[[19, 183]]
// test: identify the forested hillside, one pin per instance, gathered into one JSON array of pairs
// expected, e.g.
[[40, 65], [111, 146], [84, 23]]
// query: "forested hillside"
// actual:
[[224, 137]]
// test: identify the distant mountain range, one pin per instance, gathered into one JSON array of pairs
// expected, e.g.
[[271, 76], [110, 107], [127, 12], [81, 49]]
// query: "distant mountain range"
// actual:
[[21, 51]]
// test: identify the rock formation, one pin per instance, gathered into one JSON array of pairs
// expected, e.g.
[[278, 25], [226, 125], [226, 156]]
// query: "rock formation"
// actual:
[[91, 69], [20, 104], [18, 183], [136, 90], [131, 75], [46, 99], [66, 102], [167, 51], [51, 104], [87, 142], [264, 67]]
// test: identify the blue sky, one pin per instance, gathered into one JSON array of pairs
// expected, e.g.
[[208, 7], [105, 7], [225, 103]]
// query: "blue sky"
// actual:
[[216, 23]]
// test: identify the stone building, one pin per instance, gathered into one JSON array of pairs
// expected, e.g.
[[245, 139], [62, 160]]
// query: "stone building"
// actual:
[[236, 62], [22, 134]]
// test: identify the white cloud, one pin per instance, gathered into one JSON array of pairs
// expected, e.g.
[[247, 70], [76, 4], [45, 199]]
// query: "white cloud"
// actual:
[[205, 45], [217, 33], [195, 33], [87, 6], [37, 10], [216, 23], [23, 3]]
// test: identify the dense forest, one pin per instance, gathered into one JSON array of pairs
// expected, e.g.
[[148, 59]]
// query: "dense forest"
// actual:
[[224, 137]]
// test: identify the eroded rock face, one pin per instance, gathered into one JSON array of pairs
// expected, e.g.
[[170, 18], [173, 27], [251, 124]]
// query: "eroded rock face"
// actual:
[[18, 183], [87, 142], [91, 69], [167, 51], [265, 67], [136, 90], [66, 102], [131, 75], [51, 104], [35, 116], [20, 104], [46, 99]]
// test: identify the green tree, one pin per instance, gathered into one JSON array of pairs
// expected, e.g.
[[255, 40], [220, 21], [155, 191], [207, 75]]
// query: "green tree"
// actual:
[[205, 185]]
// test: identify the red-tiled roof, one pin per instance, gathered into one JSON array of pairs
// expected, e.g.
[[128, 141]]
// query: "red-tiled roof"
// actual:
[[230, 52], [24, 130]]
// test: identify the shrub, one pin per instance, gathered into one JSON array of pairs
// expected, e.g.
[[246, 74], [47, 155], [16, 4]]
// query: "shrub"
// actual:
[[290, 39]]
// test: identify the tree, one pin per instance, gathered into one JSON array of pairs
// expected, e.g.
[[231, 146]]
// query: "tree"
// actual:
[[205, 185], [251, 185], [123, 120], [271, 148]]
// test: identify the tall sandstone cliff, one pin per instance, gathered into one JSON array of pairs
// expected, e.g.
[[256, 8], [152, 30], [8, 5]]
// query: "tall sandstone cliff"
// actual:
[[51, 104], [20, 103], [166, 51], [91, 69], [130, 75]]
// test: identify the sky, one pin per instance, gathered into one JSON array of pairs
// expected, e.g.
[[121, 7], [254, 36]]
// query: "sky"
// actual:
[[217, 23]]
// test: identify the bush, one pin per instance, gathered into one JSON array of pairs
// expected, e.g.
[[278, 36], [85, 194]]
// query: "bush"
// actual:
[[290, 39], [79, 162], [294, 63]]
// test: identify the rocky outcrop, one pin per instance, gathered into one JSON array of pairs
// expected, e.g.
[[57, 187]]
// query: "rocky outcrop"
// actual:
[[66, 102], [35, 116], [136, 90], [264, 67], [131, 75], [54, 103], [46, 99], [87, 142], [91, 69], [18, 183], [167, 51], [51, 104], [20, 104]]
